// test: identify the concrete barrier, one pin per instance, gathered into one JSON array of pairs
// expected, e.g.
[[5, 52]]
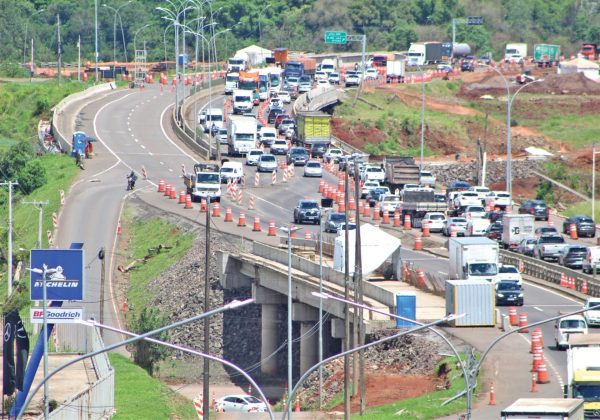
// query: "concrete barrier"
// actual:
[[64, 139]]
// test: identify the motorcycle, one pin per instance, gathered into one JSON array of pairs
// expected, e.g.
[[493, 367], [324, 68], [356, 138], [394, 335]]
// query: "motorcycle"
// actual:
[[131, 182]]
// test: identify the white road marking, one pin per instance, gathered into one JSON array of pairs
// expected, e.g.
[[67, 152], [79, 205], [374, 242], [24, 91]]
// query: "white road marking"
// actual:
[[129, 128], [136, 140], [162, 163], [553, 292], [142, 146], [151, 154], [442, 273], [170, 170], [538, 309]]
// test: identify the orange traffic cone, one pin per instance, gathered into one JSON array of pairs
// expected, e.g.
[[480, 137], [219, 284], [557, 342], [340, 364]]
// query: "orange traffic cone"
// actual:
[[573, 231], [407, 224], [256, 227], [512, 315], [523, 322], [492, 395], [418, 243], [188, 202], [271, 231], [542, 377], [297, 408], [425, 228], [216, 210], [228, 215], [242, 220], [203, 206], [182, 197]]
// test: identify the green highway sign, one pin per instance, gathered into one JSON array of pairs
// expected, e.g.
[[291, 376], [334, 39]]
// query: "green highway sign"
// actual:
[[336, 37], [475, 20]]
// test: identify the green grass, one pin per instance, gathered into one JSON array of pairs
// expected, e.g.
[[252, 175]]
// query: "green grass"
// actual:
[[426, 406], [577, 130], [437, 88], [583, 207], [146, 234], [139, 396]]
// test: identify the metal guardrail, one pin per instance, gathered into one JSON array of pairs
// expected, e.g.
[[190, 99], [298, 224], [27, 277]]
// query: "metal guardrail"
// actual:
[[550, 272], [98, 400]]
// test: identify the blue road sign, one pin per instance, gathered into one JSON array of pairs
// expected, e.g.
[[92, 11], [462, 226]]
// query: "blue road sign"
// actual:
[[63, 270]]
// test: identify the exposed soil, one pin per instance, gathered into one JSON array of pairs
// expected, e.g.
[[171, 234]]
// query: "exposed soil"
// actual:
[[382, 389]]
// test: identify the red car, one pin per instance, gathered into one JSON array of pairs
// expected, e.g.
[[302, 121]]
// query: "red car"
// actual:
[[281, 117]]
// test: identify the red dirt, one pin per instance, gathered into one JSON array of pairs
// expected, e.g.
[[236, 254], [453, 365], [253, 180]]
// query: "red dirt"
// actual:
[[385, 389]]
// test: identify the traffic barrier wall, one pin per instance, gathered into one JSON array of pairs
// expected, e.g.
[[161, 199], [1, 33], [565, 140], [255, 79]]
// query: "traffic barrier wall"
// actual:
[[64, 138], [280, 256]]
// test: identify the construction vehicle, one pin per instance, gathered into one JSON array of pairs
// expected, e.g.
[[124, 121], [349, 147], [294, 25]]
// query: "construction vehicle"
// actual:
[[583, 378], [546, 55], [588, 51], [401, 170], [204, 182]]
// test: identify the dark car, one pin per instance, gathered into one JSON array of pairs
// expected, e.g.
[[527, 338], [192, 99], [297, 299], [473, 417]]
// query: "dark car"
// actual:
[[494, 216], [494, 231], [572, 256], [458, 186], [439, 198], [373, 196], [307, 211], [273, 113], [468, 63], [285, 125], [280, 118], [318, 150], [537, 208], [509, 293], [584, 224], [334, 222], [298, 156], [545, 230]]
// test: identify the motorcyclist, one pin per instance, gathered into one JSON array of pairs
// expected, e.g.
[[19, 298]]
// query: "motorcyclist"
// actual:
[[131, 178], [79, 159], [214, 129]]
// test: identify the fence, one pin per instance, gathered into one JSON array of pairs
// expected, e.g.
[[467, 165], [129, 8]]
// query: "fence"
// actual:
[[98, 400]]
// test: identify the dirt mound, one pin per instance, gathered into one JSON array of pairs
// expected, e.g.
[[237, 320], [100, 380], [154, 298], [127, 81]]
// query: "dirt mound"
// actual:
[[575, 83]]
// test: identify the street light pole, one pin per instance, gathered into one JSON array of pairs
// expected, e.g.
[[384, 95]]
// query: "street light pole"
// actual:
[[594, 153], [259, 27]]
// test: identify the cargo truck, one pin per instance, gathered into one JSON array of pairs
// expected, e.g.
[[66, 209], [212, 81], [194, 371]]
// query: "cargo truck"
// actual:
[[419, 202], [241, 135], [546, 55], [473, 258], [280, 55], [394, 70], [401, 170], [515, 228], [238, 63], [583, 378], [300, 66], [204, 182], [422, 53], [231, 82], [515, 52], [313, 127], [544, 409], [588, 51], [250, 80]]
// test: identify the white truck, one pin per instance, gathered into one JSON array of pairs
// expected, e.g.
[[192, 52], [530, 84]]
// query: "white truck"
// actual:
[[243, 101], [515, 228], [231, 82], [395, 70], [583, 378], [544, 409], [515, 52], [212, 116], [204, 182], [473, 258], [328, 66], [241, 135], [238, 62]]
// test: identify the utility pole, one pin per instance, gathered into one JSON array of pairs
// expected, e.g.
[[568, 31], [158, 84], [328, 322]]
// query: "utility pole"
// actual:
[[10, 185], [40, 206], [347, 296], [206, 374], [101, 255], [96, 37], [31, 69], [79, 58], [59, 49], [358, 295]]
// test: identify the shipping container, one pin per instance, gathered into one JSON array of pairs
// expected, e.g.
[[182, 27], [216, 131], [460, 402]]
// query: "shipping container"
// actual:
[[473, 298]]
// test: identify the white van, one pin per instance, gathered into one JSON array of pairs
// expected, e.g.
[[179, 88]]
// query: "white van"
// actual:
[[232, 170], [573, 324], [242, 101], [592, 260], [592, 317], [212, 116]]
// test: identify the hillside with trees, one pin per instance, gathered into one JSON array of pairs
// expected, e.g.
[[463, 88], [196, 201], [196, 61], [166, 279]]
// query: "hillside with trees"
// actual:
[[295, 24]]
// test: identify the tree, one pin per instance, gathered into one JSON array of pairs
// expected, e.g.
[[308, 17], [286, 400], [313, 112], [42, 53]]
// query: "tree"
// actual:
[[15, 159], [31, 176], [145, 353]]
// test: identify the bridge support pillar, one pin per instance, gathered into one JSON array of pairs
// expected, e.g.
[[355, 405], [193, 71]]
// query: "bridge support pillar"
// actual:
[[309, 346], [268, 335]]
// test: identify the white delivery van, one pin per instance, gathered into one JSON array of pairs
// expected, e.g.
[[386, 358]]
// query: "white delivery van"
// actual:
[[243, 101], [231, 82], [241, 135], [212, 116], [573, 324], [232, 170], [592, 260]]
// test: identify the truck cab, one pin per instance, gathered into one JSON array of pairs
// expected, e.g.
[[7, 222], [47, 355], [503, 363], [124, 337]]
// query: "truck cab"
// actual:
[[243, 101], [204, 182], [231, 82], [212, 116], [569, 325]]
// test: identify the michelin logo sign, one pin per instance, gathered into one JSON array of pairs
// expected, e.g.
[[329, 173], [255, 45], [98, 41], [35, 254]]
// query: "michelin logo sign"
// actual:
[[61, 270], [56, 315]]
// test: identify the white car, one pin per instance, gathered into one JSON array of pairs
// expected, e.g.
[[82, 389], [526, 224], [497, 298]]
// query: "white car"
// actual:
[[499, 198], [313, 168], [509, 272], [275, 103], [467, 198], [267, 135], [367, 187], [334, 78], [374, 173], [252, 157], [334, 154], [266, 163], [474, 212], [371, 74], [389, 204], [426, 178], [477, 226], [222, 135], [240, 403], [279, 147], [592, 317], [284, 96], [323, 83], [320, 75], [573, 324], [482, 192], [435, 220]]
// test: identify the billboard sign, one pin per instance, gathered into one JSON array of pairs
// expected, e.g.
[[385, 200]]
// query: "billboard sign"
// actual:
[[63, 272], [56, 315]]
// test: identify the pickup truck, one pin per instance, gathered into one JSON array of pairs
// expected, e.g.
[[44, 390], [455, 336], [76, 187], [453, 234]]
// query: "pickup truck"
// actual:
[[204, 182], [388, 203], [548, 247]]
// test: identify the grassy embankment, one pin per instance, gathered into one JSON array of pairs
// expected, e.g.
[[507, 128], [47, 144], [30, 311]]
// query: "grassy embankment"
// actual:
[[140, 396]]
